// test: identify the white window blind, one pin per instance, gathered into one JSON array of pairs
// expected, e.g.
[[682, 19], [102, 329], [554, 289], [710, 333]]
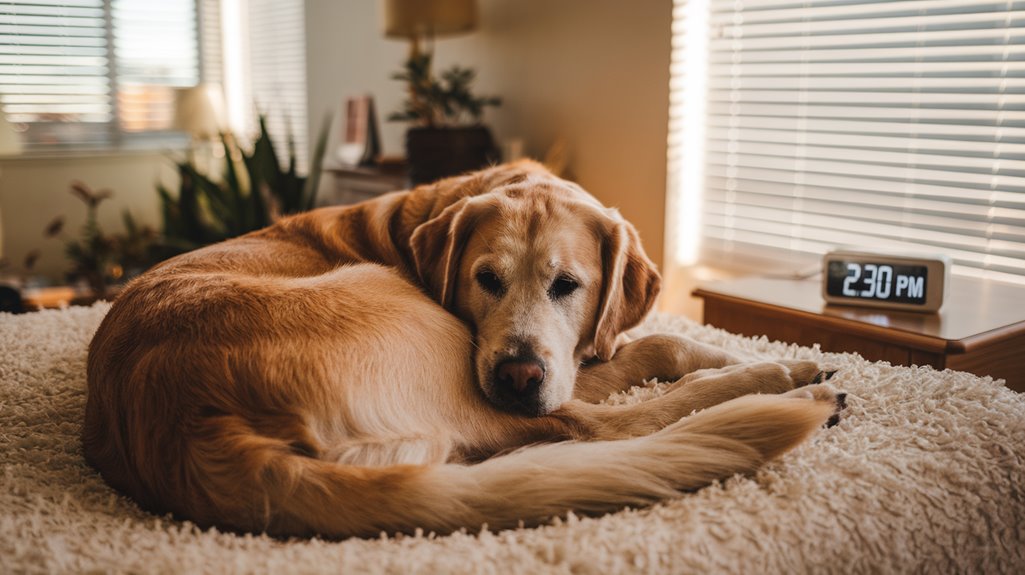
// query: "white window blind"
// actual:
[[55, 70], [86, 72], [277, 72], [211, 41], [878, 124], [156, 46]]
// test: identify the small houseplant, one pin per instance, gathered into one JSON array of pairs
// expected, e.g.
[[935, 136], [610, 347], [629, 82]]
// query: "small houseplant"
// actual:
[[99, 258], [447, 136]]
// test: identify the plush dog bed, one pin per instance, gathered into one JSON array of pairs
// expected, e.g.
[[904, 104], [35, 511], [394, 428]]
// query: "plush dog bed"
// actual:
[[926, 473]]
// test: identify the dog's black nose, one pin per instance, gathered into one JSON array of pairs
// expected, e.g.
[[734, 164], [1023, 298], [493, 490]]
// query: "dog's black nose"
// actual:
[[520, 377]]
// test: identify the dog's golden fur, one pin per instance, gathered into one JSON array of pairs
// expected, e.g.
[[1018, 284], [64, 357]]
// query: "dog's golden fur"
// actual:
[[421, 360]]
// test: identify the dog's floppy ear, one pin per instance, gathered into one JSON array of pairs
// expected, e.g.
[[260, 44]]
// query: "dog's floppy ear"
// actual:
[[629, 286], [438, 245]]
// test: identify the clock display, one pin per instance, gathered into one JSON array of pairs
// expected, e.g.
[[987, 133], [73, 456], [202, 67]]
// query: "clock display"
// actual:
[[885, 282]]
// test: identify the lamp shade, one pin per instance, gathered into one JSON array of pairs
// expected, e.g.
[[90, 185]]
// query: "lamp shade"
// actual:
[[199, 110], [10, 140], [430, 18]]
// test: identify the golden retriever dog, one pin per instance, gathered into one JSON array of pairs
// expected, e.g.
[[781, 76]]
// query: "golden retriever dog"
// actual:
[[428, 359]]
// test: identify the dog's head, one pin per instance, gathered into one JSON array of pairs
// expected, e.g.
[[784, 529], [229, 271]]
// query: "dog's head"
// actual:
[[545, 277]]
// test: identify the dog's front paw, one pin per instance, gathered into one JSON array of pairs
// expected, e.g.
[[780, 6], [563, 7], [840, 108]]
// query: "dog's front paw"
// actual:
[[670, 357], [825, 393]]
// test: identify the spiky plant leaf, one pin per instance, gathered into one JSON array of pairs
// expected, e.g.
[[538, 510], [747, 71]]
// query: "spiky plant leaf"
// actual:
[[312, 181]]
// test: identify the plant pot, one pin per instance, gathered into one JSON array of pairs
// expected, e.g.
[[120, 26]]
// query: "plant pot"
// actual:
[[436, 153]]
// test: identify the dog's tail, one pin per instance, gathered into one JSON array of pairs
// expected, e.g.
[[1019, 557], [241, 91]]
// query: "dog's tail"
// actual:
[[304, 495]]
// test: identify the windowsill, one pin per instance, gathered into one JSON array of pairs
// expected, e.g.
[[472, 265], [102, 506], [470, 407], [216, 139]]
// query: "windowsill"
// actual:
[[680, 281], [142, 145], [51, 155]]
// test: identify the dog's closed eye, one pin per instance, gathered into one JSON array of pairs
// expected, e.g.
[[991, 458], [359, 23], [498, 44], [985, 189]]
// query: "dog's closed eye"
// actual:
[[562, 287], [490, 282]]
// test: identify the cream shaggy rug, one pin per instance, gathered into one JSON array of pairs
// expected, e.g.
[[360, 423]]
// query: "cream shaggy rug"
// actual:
[[925, 474]]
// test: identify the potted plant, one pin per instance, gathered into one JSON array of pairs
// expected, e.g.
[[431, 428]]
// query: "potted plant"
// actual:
[[253, 192], [447, 136], [98, 258], [245, 198]]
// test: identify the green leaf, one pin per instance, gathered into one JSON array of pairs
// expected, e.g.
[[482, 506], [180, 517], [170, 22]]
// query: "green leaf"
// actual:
[[129, 222], [264, 175], [235, 193], [210, 195], [173, 224], [432, 102], [312, 182]]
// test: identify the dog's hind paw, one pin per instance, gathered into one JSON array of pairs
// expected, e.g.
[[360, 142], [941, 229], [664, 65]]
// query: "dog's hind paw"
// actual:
[[805, 372], [823, 376], [823, 392]]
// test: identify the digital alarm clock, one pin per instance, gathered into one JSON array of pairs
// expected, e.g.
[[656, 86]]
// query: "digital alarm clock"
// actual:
[[877, 279]]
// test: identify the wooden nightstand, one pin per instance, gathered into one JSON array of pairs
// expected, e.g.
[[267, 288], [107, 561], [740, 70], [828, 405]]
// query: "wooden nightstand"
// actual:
[[980, 329], [352, 185]]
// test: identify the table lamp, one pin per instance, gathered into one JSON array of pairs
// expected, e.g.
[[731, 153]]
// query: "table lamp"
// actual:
[[199, 111], [424, 20]]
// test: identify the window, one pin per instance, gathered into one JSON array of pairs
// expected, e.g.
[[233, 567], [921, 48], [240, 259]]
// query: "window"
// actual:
[[90, 73], [897, 125], [276, 84], [102, 73]]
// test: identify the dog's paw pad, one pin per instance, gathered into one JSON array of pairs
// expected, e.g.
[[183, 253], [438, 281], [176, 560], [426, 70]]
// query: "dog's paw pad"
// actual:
[[840, 400]]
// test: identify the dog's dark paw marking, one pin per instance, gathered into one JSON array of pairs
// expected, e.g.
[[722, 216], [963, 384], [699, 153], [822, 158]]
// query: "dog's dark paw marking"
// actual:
[[823, 376], [841, 404], [823, 392]]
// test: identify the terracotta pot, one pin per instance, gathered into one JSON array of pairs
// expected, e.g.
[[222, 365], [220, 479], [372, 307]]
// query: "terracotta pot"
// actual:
[[435, 153]]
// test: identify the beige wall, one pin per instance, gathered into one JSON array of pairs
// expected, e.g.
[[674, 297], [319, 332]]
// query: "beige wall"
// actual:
[[35, 190], [595, 72]]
